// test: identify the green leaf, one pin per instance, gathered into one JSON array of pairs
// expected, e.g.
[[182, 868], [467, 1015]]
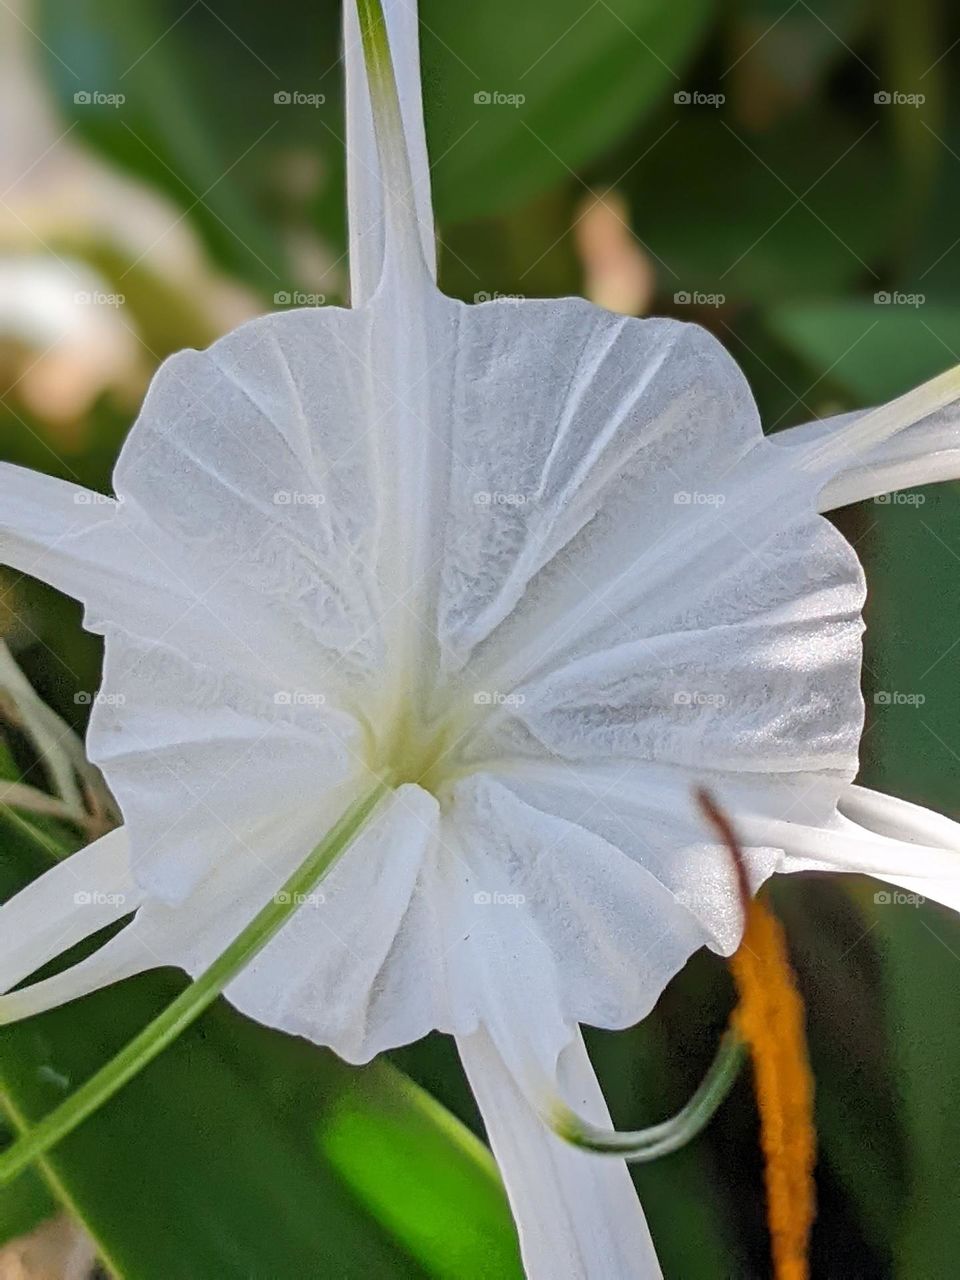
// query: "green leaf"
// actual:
[[585, 74], [198, 116], [210, 1162], [415, 1167], [25, 1203], [921, 946], [796, 210], [872, 351], [912, 749]]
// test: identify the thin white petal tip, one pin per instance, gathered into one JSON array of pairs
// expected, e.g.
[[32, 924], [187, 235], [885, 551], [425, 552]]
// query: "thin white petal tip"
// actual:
[[878, 425]]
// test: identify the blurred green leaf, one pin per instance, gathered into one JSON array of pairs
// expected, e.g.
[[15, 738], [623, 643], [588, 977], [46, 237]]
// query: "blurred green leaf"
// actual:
[[416, 1168], [586, 74], [208, 1163], [921, 946], [910, 37], [25, 1203], [873, 351], [198, 116], [794, 211], [913, 750]]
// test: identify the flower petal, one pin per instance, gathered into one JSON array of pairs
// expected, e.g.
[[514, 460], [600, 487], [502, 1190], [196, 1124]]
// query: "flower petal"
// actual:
[[365, 196], [578, 1214], [252, 465], [74, 899], [71, 538], [347, 971], [355, 965], [205, 761], [122, 957], [536, 899], [579, 439], [914, 440], [878, 835], [649, 816], [753, 669]]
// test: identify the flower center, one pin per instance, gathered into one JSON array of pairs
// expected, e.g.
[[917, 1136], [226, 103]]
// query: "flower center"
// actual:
[[418, 753]]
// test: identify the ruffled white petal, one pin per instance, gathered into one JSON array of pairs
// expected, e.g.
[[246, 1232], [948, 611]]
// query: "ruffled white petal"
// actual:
[[546, 906], [649, 815], [581, 444], [252, 466], [353, 967], [755, 671], [80, 895], [331, 973], [365, 198], [204, 761], [577, 1214]]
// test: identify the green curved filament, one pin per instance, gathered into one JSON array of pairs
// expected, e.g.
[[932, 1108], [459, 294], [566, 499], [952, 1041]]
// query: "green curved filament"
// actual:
[[640, 1145]]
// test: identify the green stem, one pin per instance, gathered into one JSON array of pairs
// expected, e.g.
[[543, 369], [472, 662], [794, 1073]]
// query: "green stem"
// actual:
[[191, 1003], [640, 1145]]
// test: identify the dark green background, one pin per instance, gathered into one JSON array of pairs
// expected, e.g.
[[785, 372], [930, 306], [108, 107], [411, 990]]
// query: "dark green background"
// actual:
[[797, 199]]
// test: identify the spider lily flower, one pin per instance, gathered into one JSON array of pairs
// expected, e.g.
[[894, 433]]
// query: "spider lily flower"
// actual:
[[535, 565]]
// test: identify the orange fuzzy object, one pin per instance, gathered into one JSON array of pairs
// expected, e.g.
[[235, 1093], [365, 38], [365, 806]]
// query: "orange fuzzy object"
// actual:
[[770, 1018]]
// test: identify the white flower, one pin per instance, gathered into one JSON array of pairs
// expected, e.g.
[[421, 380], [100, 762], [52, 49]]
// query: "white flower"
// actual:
[[646, 598]]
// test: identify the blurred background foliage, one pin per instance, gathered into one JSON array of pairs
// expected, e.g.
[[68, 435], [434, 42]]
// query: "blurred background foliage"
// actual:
[[786, 174]]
